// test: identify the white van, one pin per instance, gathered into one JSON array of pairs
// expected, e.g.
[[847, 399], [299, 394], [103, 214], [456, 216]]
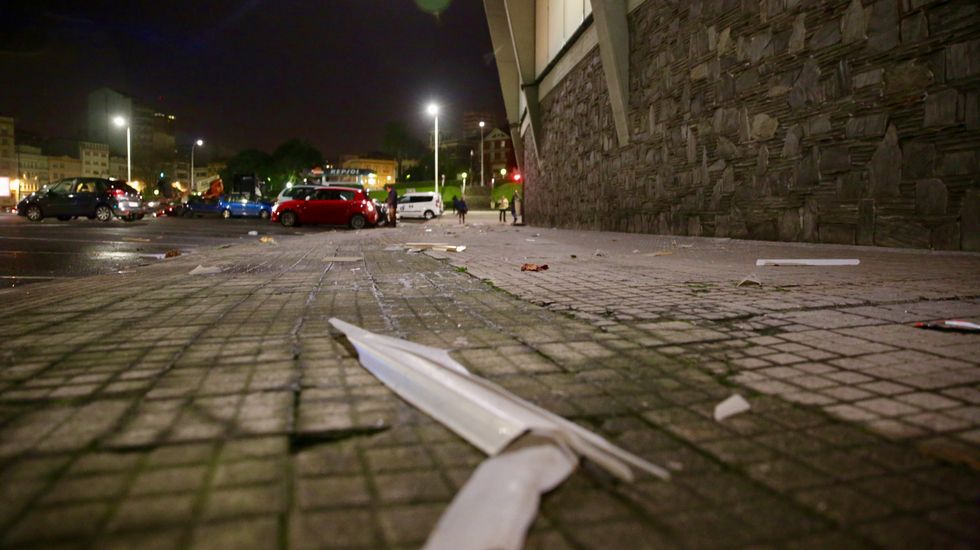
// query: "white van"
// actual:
[[420, 205]]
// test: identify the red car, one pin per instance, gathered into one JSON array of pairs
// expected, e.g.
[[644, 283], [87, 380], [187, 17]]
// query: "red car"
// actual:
[[328, 205]]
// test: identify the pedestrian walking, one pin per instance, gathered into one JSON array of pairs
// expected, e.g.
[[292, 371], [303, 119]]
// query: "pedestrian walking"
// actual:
[[503, 204], [515, 206], [392, 201], [455, 204], [461, 210]]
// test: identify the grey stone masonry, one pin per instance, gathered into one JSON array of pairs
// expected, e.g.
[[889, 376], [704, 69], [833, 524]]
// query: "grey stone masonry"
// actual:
[[857, 119]]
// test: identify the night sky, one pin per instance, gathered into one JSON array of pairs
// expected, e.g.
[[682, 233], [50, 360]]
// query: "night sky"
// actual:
[[250, 73]]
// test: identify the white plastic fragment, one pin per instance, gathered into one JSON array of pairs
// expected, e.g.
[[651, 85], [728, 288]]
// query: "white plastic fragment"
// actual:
[[201, 270], [805, 261], [735, 404], [253, 232], [750, 280], [479, 411], [500, 500]]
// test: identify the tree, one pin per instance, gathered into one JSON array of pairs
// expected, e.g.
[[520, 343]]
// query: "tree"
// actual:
[[249, 161], [294, 158], [400, 145]]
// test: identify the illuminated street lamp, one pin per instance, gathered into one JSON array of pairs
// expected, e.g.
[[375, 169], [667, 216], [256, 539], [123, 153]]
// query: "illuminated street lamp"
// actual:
[[433, 111], [121, 122], [198, 143], [482, 124]]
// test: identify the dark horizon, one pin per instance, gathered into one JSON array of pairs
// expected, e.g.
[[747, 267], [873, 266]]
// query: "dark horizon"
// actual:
[[252, 75]]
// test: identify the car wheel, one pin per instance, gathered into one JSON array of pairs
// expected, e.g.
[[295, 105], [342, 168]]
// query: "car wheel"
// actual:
[[428, 215], [103, 213], [264, 214], [357, 221], [64, 218], [288, 219], [34, 213], [226, 214]]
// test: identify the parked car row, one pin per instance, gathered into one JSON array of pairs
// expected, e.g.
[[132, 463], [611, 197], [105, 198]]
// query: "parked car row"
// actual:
[[330, 204]]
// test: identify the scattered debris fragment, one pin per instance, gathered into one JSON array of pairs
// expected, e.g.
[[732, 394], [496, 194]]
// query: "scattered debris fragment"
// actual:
[[574, 256], [124, 271], [417, 247], [267, 240], [201, 270], [661, 253], [635, 251], [497, 422], [813, 262], [534, 267], [225, 246], [735, 404], [429, 230], [685, 246], [500, 500], [952, 326], [340, 259], [171, 254], [598, 253], [253, 232], [750, 280]]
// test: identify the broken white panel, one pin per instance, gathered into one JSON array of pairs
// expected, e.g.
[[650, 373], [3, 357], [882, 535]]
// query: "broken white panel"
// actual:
[[735, 404], [805, 261], [481, 412], [201, 270], [500, 500]]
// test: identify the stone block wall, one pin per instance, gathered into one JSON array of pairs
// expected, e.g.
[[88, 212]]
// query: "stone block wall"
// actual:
[[836, 121]]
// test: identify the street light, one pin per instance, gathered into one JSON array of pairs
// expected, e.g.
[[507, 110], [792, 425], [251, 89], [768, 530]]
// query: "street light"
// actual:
[[121, 122], [198, 143], [482, 124], [433, 111]]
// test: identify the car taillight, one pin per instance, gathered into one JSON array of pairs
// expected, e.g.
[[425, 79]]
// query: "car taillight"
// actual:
[[118, 193]]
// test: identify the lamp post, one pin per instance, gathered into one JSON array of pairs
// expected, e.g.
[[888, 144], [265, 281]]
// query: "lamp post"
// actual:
[[120, 122], [433, 111], [482, 124], [198, 143]]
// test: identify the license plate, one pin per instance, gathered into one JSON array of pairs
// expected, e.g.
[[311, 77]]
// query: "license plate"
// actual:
[[133, 204]]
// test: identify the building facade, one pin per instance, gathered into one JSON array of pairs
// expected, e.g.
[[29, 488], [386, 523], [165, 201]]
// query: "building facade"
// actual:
[[32, 169], [8, 162], [841, 121], [385, 170], [95, 159], [63, 166]]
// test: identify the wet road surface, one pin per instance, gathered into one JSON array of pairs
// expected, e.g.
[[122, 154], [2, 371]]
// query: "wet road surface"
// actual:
[[51, 249]]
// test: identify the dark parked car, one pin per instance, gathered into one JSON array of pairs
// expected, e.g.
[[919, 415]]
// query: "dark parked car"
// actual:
[[200, 206], [328, 205], [95, 198]]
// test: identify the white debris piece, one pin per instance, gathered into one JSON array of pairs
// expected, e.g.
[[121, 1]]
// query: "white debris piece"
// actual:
[[201, 270], [491, 419], [750, 280], [813, 262], [500, 500], [253, 232], [735, 404]]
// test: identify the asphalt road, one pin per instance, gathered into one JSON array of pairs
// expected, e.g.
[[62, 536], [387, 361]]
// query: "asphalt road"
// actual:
[[32, 252]]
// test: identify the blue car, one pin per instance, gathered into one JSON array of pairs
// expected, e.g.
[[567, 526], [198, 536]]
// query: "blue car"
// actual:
[[227, 206], [237, 204]]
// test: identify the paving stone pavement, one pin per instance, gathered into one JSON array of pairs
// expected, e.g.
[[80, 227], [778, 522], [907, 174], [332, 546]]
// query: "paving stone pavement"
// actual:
[[159, 409]]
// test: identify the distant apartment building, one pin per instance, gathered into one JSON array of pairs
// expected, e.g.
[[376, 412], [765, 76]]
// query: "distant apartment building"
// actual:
[[117, 167], [63, 166], [151, 131], [95, 159], [32, 169], [498, 152]]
